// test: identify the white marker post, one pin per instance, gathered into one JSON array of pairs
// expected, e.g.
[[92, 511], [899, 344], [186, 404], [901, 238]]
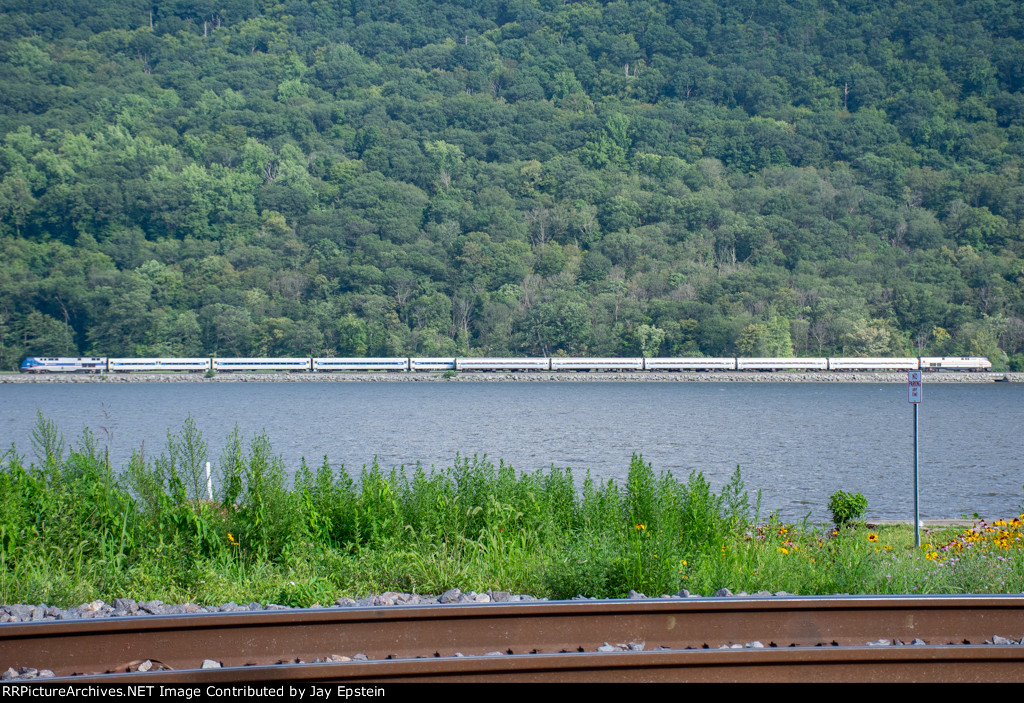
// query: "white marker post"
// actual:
[[914, 388]]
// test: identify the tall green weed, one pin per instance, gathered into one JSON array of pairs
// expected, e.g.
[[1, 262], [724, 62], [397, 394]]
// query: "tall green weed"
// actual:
[[72, 529]]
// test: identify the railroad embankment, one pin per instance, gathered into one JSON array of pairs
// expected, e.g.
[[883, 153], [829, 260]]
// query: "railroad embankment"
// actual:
[[521, 377]]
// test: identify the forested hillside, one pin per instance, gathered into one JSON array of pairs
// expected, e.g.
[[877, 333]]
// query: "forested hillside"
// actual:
[[479, 177]]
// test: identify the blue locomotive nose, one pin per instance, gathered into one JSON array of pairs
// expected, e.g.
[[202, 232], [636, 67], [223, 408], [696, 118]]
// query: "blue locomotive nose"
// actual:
[[29, 364]]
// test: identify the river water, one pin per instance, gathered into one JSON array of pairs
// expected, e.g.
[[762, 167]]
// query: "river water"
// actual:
[[796, 442]]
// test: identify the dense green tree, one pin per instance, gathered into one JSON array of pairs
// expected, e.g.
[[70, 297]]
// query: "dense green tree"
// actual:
[[443, 177], [766, 339]]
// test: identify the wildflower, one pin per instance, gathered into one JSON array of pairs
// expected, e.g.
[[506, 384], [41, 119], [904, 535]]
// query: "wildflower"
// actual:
[[872, 537], [232, 541], [783, 550], [640, 526], [683, 562]]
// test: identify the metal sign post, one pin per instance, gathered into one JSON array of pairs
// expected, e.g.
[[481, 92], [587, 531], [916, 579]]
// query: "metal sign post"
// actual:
[[914, 388]]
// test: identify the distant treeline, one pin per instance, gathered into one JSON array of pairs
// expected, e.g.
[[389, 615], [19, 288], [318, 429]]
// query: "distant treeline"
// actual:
[[513, 178]]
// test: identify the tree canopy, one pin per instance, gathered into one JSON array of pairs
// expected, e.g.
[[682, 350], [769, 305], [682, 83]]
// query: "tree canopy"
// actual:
[[512, 177]]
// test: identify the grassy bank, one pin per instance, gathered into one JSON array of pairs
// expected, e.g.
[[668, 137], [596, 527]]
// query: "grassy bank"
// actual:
[[71, 531]]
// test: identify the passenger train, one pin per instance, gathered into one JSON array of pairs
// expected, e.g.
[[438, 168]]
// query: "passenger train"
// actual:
[[49, 364]]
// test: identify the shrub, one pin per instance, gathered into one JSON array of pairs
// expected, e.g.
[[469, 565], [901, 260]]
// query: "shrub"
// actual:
[[847, 507]]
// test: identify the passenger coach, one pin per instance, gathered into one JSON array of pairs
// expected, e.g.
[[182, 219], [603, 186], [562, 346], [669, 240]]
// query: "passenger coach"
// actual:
[[690, 364], [569, 363], [362, 364], [782, 364], [196, 365], [432, 364], [485, 364], [955, 363], [876, 364], [252, 364]]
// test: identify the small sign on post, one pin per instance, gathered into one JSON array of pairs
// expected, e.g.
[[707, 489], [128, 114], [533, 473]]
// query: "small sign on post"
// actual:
[[914, 389], [914, 386]]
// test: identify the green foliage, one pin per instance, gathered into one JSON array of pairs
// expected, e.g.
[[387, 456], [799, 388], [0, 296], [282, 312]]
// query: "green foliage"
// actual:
[[71, 531], [469, 523], [766, 339], [448, 179], [846, 507], [47, 442]]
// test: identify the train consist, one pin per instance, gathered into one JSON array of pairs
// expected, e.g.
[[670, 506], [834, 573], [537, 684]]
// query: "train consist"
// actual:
[[46, 364]]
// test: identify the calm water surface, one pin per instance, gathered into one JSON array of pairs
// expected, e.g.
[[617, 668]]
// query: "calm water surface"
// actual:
[[795, 442]]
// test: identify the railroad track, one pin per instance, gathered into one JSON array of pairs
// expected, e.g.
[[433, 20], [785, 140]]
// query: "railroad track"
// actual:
[[803, 639]]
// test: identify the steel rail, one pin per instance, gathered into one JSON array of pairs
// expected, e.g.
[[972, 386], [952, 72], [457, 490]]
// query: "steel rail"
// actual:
[[254, 639], [917, 664]]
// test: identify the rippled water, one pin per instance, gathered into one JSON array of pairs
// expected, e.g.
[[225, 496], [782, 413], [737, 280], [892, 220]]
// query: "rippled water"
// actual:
[[795, 442]]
